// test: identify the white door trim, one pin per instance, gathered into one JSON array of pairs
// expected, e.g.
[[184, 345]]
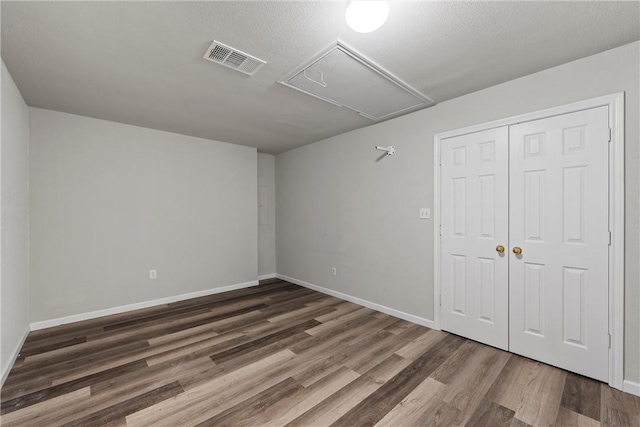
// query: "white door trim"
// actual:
[[615, 102]]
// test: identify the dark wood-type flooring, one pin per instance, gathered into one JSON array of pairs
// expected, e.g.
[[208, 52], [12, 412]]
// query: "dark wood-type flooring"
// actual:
[[280, 354]]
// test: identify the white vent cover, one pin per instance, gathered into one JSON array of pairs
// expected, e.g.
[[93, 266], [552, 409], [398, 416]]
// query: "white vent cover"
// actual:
[[346, 78], [233, 58]]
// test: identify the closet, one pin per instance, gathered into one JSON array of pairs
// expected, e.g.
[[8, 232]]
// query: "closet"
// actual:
[[524, 239]]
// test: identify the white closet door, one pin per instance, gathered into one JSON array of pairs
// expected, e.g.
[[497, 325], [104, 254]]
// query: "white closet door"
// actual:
[[474, 211], [559, 218]]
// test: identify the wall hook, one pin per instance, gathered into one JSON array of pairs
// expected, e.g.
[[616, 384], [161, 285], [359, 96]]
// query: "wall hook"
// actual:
[[390, 149]]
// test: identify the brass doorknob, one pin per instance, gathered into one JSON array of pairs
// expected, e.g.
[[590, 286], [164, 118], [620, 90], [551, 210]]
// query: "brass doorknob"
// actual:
[[500, 249], [517, 250]]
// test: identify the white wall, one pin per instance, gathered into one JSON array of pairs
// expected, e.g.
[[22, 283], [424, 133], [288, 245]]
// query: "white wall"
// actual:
[[110, 201], [266, 215], [338, 206], [14, 222]]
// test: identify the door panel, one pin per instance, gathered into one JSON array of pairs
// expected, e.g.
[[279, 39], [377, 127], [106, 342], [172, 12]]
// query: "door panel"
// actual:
[[474, 177], [559, 217]]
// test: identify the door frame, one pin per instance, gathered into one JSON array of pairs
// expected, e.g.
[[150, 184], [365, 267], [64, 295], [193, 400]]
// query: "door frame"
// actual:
[[615, 102]]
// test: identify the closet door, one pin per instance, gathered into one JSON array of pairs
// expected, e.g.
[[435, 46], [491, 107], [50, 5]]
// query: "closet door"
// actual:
[[559, 220], [474, 212]]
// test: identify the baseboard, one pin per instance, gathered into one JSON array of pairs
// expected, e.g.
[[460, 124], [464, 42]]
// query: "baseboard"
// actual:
[[13, 358], [631, 387], [267, 276], [384, 309], [129, 307]]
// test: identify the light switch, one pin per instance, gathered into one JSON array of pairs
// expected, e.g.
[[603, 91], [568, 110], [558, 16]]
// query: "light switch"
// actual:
[[425, 213]]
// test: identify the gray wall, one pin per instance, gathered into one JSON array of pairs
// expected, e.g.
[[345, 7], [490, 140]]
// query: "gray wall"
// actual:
[[266, 215], [338, 206], [14, 220], [110, 201]]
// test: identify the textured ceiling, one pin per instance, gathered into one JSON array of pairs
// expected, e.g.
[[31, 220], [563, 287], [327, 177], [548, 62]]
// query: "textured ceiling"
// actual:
[[141, 62]]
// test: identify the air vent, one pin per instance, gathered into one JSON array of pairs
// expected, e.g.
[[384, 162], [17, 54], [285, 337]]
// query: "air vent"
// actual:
[[233, 58]]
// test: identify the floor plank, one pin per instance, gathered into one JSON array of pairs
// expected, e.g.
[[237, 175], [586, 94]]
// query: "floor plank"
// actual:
[[491, 414], [379, 403], [279, 354], [582, 395], [412, 409]]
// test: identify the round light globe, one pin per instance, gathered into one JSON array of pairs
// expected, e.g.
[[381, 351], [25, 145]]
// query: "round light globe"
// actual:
[[366, 16]]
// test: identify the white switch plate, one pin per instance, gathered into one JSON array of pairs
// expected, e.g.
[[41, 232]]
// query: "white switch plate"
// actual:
[[334, 272], [425, 213], [153, 274]]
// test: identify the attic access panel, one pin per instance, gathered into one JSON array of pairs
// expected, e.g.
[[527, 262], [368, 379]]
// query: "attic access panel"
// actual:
[[344, 77]]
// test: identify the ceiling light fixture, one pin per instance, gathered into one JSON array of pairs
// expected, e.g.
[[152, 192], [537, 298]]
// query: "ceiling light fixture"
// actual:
[[366, 16]]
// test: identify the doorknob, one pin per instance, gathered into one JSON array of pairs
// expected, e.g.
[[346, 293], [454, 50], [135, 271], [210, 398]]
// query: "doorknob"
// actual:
[[517, 250], [500, 249]]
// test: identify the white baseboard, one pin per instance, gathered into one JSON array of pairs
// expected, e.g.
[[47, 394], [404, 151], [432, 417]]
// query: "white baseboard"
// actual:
[[129, 307], [631, 387], [267, 276], [13, 357], [384, 309]]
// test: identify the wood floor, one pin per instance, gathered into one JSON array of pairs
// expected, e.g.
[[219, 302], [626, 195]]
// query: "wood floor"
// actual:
[[279, 354]]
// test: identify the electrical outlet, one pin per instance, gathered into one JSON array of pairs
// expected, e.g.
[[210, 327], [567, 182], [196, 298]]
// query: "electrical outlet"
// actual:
[[334, 271], [153, 274]]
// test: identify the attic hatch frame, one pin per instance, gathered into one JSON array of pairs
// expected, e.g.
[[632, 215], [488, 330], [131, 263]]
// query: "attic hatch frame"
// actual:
[[351, 52]]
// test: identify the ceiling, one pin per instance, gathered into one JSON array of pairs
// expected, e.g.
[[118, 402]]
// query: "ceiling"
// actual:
[[141, 62]]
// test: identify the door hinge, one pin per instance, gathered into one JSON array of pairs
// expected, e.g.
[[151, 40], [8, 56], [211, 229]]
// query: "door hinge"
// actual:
[[609, 134], [440, 160], [610, 238], [440, 229], [609, 340], [440, 300]]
